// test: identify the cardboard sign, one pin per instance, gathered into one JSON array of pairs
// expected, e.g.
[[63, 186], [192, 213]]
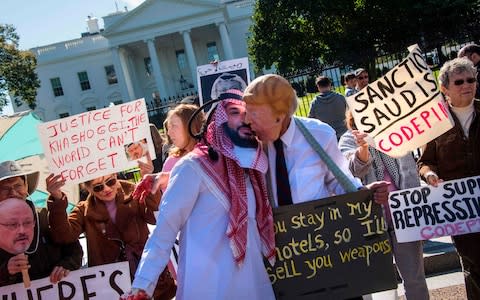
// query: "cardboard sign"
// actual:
[[101, 282], [97, 143], [452, 208], [402, 110], [333, 248], [216, 78]]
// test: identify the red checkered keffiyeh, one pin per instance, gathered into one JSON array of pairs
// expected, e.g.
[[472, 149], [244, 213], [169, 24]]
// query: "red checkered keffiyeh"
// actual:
[[229, 177]]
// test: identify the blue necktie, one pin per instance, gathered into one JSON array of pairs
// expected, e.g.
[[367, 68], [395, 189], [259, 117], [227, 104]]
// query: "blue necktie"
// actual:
[[284, 193]]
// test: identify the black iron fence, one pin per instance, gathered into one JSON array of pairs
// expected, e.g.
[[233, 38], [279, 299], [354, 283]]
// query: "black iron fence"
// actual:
[[303, 80], [158, 108]]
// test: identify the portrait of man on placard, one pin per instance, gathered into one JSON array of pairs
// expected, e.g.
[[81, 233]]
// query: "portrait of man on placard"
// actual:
[[136, 150], [216, 84]]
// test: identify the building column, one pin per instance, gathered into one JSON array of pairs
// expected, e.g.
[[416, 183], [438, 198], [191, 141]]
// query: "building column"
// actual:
[[120, 60], [157, 70], [226, 43], [192, 61], [117, 64]]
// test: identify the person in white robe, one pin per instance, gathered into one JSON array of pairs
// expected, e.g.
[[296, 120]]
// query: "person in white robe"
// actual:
[[217, 199]]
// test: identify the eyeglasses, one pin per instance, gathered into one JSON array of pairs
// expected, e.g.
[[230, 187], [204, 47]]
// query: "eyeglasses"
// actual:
[[99, 187], [15, 226], [363, 77], [5, 189], [462, 81]]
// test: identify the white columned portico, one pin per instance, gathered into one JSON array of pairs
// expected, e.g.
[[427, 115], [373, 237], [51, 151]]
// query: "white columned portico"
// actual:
[[192, 61], [120, 73], [123, 55], [226, 43], [157, 70]]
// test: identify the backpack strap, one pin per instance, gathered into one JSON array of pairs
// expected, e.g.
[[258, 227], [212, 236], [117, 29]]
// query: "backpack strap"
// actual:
[[344, 181]]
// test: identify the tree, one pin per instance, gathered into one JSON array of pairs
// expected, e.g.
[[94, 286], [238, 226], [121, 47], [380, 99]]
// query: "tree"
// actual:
[[290, 34], [17, 69]]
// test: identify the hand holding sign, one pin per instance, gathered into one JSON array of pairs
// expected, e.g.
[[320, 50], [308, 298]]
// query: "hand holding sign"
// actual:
[[361, 140], [58, 274], [135, 294], [146, 167], [97, 143], [380, 191], [403, 109], [54, 184], [432, 179], [18, 263]]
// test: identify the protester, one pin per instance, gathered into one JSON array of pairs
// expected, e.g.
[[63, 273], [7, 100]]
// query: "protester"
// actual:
[[472, 52], [177, 132], [115, 225], [329, 106], [271, 102], [455, 154], [46, 258], [217, 198], [350, 82], [17, 223], [361, 76], [182, 143], [158, 146], [371, 165], [297, 172]]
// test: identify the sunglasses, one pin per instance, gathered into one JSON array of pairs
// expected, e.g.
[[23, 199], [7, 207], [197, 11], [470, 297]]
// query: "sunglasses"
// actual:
[[363, 77], [99, 187], [462, 81]]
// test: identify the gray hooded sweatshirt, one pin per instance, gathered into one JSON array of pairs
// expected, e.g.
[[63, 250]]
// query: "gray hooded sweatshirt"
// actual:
[[330, 107]]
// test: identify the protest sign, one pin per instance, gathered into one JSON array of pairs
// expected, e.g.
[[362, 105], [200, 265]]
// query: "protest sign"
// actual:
[[452, 208], [334, 248], [97, 143], [101, 282], [216, 78], [404, 109]]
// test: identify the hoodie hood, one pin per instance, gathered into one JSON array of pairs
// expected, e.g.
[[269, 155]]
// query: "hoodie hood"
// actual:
[[327, 97]]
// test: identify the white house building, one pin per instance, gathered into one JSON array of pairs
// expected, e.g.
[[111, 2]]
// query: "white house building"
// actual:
[[150, 52]]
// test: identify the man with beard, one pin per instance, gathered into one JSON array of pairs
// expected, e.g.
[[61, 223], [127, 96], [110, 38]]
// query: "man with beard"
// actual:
[[45, 257], [16, 229], [217, 199], [296, 172]]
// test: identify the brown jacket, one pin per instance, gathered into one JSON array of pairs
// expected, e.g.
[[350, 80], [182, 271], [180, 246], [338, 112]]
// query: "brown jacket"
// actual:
[[454, 155], [106, 239]]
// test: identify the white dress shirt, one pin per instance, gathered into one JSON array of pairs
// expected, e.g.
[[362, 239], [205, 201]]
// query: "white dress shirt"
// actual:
[[310, 178]]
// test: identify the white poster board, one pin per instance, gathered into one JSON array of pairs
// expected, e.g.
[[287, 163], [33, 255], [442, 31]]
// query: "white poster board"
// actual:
[[452, 208], [404, 109], [216, 78], [101, 282], [97, 143]]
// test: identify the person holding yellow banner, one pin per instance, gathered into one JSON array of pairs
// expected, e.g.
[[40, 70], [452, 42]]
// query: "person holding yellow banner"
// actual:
[[455, 154]]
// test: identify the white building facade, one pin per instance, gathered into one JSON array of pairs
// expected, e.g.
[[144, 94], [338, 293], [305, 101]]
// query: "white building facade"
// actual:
[[151, 52]]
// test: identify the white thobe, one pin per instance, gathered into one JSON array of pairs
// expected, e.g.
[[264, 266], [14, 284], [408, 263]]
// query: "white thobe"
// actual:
[[309, 177], [193, 205]]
